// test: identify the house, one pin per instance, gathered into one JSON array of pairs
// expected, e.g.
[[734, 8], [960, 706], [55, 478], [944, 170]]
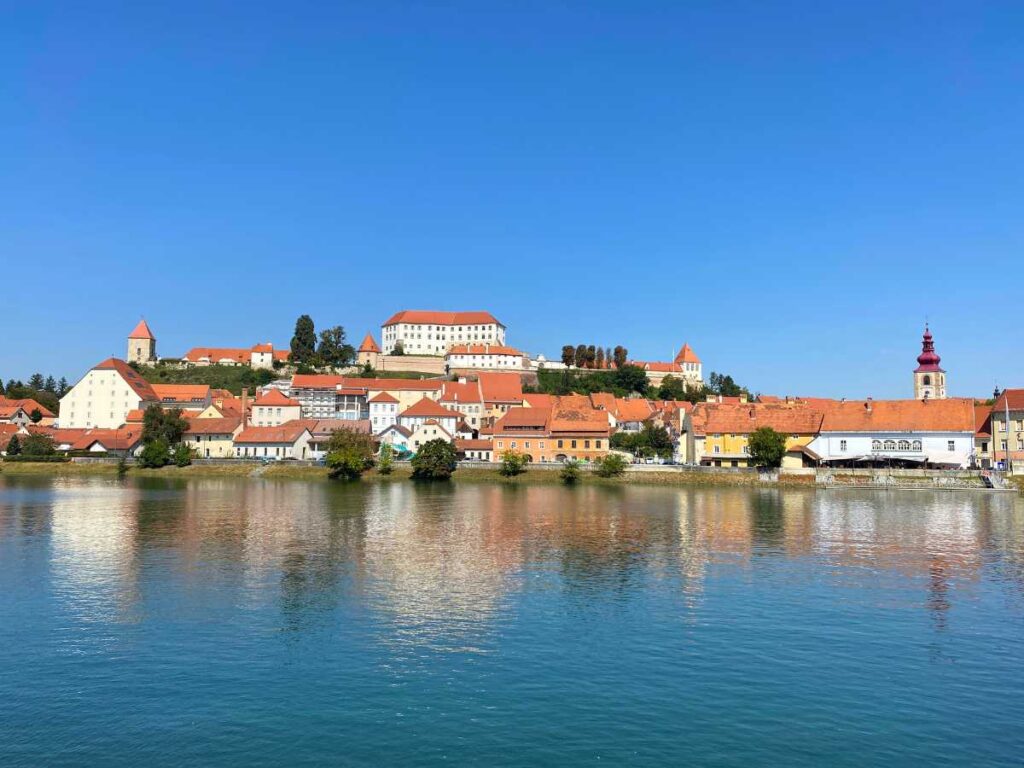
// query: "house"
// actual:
[[125, 441], [499, 392], [630, 414], [465, 398], [284, 441], [141, 345], [398, 437], [485, 356], [421, 332], [194, 397], [14, 414], [104, 396], [383, 411], [718, 434], [368, 352], [9, 430], [272, 408], [322, 430], [930, 432], [983, 452], [257, 356], [474, 450], [559, 432], [686, 367], [428, 430], [343, 397], [1008, 430], [30, 407], [213, 438], [427, 410]]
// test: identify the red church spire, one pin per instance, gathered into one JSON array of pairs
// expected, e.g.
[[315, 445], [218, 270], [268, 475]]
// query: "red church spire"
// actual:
[[928, 360]]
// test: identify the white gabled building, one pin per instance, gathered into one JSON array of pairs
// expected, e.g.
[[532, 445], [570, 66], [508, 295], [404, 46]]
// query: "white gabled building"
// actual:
[[911, 432], [428, 410], [383, 412], [104, 396], [423, 332], [486, 357]]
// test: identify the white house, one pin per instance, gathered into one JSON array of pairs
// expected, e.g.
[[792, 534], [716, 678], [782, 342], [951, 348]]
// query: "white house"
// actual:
[[486, 356], [272, 408], [431, 333], [286, 441], [427, 410], [910, 432], [466, 398], [383, 412], [427, 431], [104, 396]]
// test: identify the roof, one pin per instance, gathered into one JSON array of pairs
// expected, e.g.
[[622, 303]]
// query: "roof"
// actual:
[[1015, 398], [122, 439], [7, 431], [10, 411], [517, 418], [275, 397], [316, 381], [331, 381], [264, 348], [687, 355], [461, 392], [537, 400], [369, 345], [427, 407], [500, 387], [423, 317], [637, 409], [223, 426], [951, 415], [27, 404], [397, 428], [484, 349], [213, 354], [744, 418], [982, 420], [474, 445], [383, 397], [141, 331], [567, 419], [139, 385], [288, 432], [182, 393]]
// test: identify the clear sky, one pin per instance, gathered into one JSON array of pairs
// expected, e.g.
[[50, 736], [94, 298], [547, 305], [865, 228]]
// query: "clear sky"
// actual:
[[792, 188]]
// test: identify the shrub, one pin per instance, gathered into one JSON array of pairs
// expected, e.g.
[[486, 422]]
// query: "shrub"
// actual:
[[512, 463], [155, 455], [182, 455], [38, 445], [349, 454], [611, 465], [435, 460], [386, 460], [14, 446], [570, 472]]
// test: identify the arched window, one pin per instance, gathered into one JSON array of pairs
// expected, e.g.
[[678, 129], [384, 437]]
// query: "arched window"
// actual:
[[904, 445], [876, 445], [917, 445], [927, 380], [890, 445]]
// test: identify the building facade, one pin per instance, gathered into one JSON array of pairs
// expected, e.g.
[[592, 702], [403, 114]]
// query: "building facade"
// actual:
[[929, 378], [421, 332], [142, 345], [104, 396]]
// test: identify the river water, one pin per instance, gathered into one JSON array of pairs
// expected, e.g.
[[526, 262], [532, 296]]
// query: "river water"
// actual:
[[248, 622]]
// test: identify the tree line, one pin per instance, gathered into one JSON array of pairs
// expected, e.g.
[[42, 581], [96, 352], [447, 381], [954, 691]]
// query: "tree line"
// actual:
[[330, 349], [45, 390], [594, 357]]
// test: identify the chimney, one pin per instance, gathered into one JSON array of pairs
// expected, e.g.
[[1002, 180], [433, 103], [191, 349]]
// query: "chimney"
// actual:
[[867, 405], [743, 397], [245, 403]]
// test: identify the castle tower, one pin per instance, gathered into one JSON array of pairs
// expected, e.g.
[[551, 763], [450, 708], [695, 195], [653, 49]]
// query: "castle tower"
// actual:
[[141, 345], [368, 352], [929, 378]]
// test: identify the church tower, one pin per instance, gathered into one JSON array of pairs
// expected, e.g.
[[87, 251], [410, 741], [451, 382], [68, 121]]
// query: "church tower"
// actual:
[[141, 345], [929, 378]]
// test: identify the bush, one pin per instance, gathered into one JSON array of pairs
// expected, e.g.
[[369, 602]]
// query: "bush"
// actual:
[[611, 465], [155, 455], [386, 460], [512, 463], [14, 446], [349, 454], [38, 445], [40, 459], [570, 472], [182, 455], [435, 460]]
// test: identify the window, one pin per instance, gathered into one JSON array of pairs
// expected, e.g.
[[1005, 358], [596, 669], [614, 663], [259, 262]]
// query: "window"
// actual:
[[842, 445], [718, 449], [586, 444], [904, 445], [560, 443], [573, 443], [917, 445]]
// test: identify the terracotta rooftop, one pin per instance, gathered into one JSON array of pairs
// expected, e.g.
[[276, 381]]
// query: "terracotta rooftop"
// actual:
[[950, 415], [458, 392], [28, 405], [484, 349], [275, 397], [223, 426], [181, 393], [744, 418], [1015, 398], [383, 397], [369, 345], [427, 407], [500, 387], [687, 355], [139, 385], [424, 317], [141, 331], [288, 432]]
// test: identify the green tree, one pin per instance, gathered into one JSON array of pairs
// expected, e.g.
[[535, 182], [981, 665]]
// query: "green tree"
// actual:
[[723, 384], [62, 387], [333, 349], [38, 445], [3, 391], [155, 454], [386, 459], [158, 424], [512, 463], [767, 447], [591, 356], [581, 356], [632, 378], [620, 355], [672, 389], [600, 359], [36, 416], [37, 381], [611, 465], [435, 460], [657, 440], [568, 355], [349, 454], [50, 385], [399, 348], [182, 455], [13, 446], [304, 341], [570, 472]]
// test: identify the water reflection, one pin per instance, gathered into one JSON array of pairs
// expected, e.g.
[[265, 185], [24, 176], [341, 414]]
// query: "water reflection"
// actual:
[[439, 567]]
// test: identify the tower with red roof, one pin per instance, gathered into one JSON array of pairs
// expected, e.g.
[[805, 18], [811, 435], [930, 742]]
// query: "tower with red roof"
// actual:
[[929, 378], [141, 344]]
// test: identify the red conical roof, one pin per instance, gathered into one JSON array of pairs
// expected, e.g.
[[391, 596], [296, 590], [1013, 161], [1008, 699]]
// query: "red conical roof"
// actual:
[[141, 332], [928, 360], [369, 345], [687, 355]]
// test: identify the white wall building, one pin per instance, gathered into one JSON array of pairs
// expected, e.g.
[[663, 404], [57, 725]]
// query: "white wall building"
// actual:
[[428, 410], [104, 396], [432, 333], [486, 356], [383, 412]]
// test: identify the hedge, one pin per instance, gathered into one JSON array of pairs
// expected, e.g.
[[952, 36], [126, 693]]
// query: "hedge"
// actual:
[[42, 459]]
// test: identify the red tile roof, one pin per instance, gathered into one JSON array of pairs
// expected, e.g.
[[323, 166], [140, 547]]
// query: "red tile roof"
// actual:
[[288, 432], [537, 400], [474, 445], [275, 397], [744, 418], [687, 355], [427, 407], [636, 409], [519, 418], [223, 426], [1015, 397], [215, 354], [459, 392], [264, 348], [141, 331], [952, 415], [139, 385], [982, 420], [369, 345], [182, 393], [423, 317], [28, 405], [500, 387], [383, 397], [122, 439]]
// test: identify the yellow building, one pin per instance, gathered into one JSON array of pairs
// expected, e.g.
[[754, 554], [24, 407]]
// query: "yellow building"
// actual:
[[212, 438], [718, 434]]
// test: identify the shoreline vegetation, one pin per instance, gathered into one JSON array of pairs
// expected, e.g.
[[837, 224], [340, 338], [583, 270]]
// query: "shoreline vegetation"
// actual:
[[403, 473]]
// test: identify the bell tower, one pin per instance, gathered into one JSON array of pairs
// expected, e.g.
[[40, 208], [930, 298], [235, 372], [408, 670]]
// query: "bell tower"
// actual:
[[141, 345], [929, 378]]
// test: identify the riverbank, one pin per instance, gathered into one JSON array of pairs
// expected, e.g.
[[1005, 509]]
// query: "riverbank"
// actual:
[[548, 475]]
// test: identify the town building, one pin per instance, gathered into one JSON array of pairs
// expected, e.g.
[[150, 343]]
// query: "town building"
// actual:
[[499, 392], [983, 448], [717, 434], [322, 430], [285, 441], [368, 352], [383, 412], [342, 397], [194, 397], [142, 345], [475, 450], [257, 356], [273, 408], [554, 433], [465, 397], [213, 438], [104, 396], [421, 332], [31, 407], [929, 378], [686, 367], [469, 357], [1008, 430], [427, 410], [914, 433], [14, 414]]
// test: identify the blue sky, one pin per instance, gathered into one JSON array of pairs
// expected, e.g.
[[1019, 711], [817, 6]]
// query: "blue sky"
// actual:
[[792, 188]]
